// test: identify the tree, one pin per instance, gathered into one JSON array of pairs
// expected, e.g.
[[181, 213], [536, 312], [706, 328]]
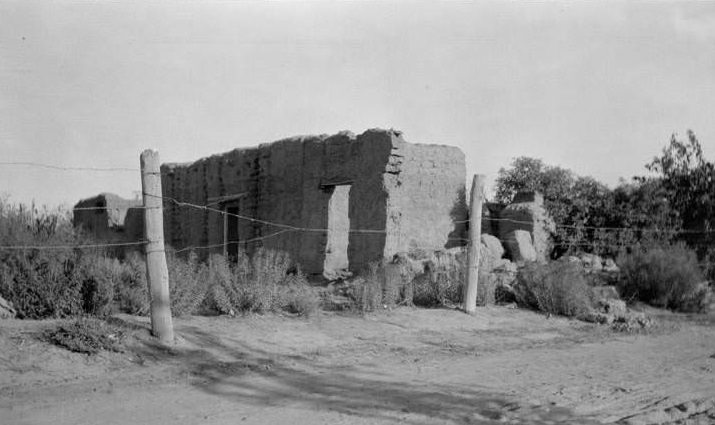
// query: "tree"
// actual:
[[588, 214], [531, 174], [689, 181]]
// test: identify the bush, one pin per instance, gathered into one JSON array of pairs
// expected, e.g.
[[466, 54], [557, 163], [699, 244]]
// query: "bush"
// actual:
[[86, 335], [662, 276], [268, 281], [298, 297], [131, 293], [368, 293], [486, 289], [443, 280], [42, 284], [49, 280], [558, 287], [99, 277], [187, 283]]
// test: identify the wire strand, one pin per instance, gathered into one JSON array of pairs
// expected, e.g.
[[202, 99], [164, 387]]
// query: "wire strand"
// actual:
[[57, 167], [86, 246]]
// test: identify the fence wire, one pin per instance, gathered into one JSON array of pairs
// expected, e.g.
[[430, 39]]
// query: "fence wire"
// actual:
[[285, 228]]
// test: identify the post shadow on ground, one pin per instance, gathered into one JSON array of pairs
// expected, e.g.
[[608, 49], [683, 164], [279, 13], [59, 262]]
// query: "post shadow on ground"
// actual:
[[252, 376]]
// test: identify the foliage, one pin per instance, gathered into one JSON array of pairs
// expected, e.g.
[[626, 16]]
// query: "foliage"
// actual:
[[50, 279], [187, 283], [32, 225], [86, 335], [486, 288], [590, 216], [42, 283], [380, 285], [558, 287], [662, 276], [267, 281], [530, 174], [298, 297], [442, 281], [99, 274], [130, 289], [369, 292], [689, 180]]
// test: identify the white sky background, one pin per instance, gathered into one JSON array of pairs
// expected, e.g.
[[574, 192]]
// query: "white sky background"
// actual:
[[594, 87]]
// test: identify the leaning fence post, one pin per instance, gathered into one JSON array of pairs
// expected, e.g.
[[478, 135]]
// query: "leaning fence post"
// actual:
[[157, 272], [475, 231]]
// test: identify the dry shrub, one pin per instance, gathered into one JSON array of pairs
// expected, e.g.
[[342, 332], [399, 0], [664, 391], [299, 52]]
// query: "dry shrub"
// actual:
[[131, 293], [50, 281], [58, 283], [558, 287], [442, 281], [368, 291], [43, 283], [662, 276], [486, 289], [382, 285], [187, 283], [99, 274], [86, 335], [297, 296], [268, 281]]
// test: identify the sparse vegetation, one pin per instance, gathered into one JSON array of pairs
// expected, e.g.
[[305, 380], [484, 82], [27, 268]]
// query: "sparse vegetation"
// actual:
[[558, 287], [87, 335], [443, 280], [99, 276], [268, 281], [486, 289], [187, 283], [663, 276], [130, 291], [368, 293]]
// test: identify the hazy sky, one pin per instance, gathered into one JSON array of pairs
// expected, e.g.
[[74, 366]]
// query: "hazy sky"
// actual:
[[594, 87]]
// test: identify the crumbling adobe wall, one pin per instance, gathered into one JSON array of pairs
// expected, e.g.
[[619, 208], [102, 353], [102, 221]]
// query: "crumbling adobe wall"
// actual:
[[286, 182], [105, 221], [426, 205], [290, 182]]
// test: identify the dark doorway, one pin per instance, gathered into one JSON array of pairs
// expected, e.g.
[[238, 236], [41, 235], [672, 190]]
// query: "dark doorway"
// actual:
[[231, 241]]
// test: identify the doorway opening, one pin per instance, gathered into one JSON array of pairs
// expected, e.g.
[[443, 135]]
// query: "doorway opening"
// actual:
[[338, 235], [230, 233]]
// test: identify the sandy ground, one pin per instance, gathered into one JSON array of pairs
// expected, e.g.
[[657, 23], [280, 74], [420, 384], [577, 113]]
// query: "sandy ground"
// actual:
[[411, 366]]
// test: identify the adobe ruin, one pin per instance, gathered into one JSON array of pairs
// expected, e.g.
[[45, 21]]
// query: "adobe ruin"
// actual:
[[110, 218], [375, 193]]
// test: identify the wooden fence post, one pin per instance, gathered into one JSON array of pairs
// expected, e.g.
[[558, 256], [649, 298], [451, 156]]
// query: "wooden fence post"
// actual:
[[157, 272], [475, 232]]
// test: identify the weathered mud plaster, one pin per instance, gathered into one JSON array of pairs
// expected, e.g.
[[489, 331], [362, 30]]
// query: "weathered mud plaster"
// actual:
[[402, 196]]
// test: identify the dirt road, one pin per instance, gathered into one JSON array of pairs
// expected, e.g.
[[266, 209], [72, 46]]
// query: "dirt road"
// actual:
[[410, 366]]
